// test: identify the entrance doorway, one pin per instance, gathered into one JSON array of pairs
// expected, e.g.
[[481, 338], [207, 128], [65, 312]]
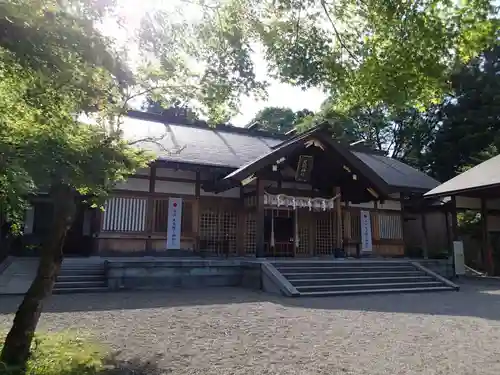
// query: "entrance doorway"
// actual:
[[279, 233]]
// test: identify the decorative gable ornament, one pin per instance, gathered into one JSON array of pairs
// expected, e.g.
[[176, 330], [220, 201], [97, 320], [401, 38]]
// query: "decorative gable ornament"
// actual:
[[314, 142]]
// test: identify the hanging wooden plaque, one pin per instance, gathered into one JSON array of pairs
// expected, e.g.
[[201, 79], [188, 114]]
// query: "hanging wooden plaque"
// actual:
[[304, 168]]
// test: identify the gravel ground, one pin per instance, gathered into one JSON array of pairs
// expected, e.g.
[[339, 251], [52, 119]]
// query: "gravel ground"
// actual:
[[235, 331]]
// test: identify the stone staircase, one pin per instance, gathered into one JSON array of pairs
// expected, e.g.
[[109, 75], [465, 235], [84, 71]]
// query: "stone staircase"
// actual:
[[345, 277], [81, 276]]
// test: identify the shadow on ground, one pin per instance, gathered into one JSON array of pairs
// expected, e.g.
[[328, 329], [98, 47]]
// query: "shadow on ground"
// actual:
[[477, 298], [135, 366]]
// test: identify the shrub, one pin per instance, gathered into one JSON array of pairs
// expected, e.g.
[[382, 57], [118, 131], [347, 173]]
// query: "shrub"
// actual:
[[66, 353]]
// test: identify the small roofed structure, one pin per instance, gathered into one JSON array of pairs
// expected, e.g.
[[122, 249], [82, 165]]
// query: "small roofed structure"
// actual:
[[477, 189], [480, 181]]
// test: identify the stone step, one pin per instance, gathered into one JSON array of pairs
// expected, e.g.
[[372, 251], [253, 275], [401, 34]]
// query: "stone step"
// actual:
[[81, 271], [361, 280], [80, 284], [297, 269], [80, 290], [376, 286], [341, 263], [69, 278], [337, 275], [376, 291]]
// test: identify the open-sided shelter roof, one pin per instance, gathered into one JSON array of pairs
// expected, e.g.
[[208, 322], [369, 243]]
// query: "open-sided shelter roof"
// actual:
[[481, 180]]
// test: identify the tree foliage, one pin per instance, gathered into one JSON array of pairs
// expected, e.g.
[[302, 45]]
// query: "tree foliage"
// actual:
[[374, 52], [470, 130], [53, 66], [278, 119]]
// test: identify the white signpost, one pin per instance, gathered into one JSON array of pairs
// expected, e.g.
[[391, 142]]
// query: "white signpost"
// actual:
[[174, 223], [366, 232]]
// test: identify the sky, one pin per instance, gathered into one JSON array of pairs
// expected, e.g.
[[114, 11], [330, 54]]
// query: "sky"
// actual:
[[279, 94]]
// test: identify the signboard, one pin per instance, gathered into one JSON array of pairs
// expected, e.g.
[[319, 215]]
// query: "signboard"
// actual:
[[304, 168], [174, 223], [458, 254], [366, 232]]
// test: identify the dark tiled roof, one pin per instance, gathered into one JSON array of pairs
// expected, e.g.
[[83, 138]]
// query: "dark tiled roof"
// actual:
[[482, 176], [199, 145], [234, 147], [396, 173]]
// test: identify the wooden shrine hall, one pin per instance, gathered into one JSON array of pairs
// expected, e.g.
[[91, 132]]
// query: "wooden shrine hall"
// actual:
[[228, 191]]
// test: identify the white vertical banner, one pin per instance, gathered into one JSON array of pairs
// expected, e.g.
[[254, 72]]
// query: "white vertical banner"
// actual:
[[366, 232], [174, 223]]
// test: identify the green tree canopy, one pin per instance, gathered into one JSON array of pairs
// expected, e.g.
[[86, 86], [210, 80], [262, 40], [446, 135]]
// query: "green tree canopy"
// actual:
[[470, 119], [373, 52], [279, 119], [53, 67]]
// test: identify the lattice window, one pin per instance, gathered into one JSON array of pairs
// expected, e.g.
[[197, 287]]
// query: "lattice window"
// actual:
[[218, 231], [160, 220], [125, 214], [250, 234], [390, 227], [325, 233]]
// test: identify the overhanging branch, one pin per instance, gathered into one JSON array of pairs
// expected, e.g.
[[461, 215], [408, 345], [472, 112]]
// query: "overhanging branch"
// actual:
[[337, 34]]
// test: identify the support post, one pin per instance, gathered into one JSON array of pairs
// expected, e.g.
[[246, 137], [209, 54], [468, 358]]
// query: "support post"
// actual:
[[196, 212], [259, 220], [402, 203], [485, 253], [338, 218], [449, 240], [241, 227], [425, 244], [454, 229], [454, 222], [150, 208], [347, 228]]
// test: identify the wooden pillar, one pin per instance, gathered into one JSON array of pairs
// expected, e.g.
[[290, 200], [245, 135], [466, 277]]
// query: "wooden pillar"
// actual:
[[377, 250], [196, 212], [96, 230], [259, 220], [150, 207], [241, 227], [402, 203], [312, 233], [425, 244], [485, 243], [338, 218], [454, 222], [449, 239], [347, 227]]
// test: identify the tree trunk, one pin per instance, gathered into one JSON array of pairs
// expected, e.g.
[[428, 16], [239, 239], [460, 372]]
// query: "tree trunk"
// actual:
[[17, 345]]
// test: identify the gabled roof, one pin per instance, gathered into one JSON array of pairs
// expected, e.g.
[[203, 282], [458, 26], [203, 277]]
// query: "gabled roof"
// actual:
[[233, 147], [299, 141], [482, 177]]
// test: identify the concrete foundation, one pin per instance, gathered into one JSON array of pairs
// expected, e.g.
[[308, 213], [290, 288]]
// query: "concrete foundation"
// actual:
[[183, 273]]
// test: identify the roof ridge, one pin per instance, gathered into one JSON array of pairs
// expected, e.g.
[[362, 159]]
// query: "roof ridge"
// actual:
[[200, 124]]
